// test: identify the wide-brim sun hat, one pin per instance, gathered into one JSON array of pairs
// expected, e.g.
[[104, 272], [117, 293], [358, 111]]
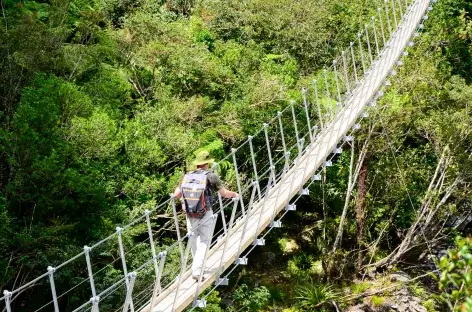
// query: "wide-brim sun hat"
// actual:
[[203, 158]]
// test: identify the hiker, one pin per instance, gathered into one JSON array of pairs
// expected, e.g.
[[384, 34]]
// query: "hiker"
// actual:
[[196, 194]]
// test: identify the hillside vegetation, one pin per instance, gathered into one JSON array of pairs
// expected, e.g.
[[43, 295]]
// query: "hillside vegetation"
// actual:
[[104, 102]]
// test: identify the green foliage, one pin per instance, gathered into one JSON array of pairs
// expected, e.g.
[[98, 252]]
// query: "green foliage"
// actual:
[[291, 309], [311, 295], [102, 103], [418, 290], [316, 24], [377, 301], [213, 303], [255, 299], [359, 288], [277, 294], [94, 136], [430, 305], [302, 263], [456, 276]]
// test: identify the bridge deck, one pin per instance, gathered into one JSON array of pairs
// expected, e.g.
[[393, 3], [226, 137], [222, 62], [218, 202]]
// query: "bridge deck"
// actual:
[[300, 172]]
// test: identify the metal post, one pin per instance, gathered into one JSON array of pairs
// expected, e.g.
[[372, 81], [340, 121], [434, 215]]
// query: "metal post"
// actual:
[[328, 94], [307, 158], [7, 295], [295, 123], [162, 261], [95, 300], [361, 52], [307, 114], [337, 82], [281, 183], [269, 188], [235, 204], [318, 106], [151, 241], [388, 17], [269, 153], [256, 176], [346, 77], [315, 133], [351, 46], [379, 13], [157, 286], [375, 37], [177, 227], [279, 115], [394, 13], [248, 216], [51, 271], [87, 250], [368, 45], [182, 269], [301, 144], [401, 9], [119, 230], [294, 177], [236, 172], [220, 200], [233, 213], [287, 162], [129, 293]]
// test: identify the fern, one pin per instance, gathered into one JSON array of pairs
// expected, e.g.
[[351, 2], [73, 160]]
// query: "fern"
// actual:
[[311, 294]]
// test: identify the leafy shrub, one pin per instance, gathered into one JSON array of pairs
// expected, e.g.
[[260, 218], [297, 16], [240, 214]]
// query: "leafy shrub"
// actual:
[[456, 276], [251, 300], [276, 293], [299, 264], [213, 303], [377, 301], [418, 291], [303, 261], [312, 295], [359, 288], [430, 305]]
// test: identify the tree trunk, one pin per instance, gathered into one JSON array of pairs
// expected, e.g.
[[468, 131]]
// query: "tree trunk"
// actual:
[[360, 209]]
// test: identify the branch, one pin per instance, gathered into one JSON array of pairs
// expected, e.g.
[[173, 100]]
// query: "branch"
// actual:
[[346, 202], [135, 87], [352, 181]]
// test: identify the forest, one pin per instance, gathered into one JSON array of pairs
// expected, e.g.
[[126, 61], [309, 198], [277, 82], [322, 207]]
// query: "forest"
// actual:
[[104, 104]]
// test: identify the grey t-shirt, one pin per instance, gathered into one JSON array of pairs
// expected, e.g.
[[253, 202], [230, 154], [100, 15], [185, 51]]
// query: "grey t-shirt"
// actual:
[[214, 180]]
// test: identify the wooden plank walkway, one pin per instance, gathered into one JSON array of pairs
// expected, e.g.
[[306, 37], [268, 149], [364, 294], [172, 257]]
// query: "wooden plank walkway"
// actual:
[[299, 173]]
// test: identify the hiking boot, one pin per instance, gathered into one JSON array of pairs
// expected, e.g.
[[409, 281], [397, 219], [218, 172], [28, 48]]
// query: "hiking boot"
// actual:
[[196, 275]]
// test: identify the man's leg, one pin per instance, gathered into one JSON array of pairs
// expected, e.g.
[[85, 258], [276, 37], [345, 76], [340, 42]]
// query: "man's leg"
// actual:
[[203, 240], [192, 225]]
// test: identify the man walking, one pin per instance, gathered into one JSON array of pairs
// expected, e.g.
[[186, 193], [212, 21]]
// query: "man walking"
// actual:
[[196, 193]]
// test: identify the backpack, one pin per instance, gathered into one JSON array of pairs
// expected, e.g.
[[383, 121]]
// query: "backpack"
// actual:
[[196, 194]]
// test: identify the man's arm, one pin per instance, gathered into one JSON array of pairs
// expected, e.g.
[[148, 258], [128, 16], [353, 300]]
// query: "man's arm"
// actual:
[[227, 193], [216, 182], [177, 192]]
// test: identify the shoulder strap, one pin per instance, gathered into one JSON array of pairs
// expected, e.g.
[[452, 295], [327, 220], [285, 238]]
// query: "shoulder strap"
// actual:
[[199, 171]]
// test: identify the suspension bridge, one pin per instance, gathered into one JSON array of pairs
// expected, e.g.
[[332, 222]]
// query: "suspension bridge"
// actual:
[[281, 161]]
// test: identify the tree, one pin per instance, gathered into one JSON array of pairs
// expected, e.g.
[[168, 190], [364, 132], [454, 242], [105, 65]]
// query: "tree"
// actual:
[[456, 276]]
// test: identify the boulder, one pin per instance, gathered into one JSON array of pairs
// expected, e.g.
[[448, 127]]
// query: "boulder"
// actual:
[[399, 277]]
